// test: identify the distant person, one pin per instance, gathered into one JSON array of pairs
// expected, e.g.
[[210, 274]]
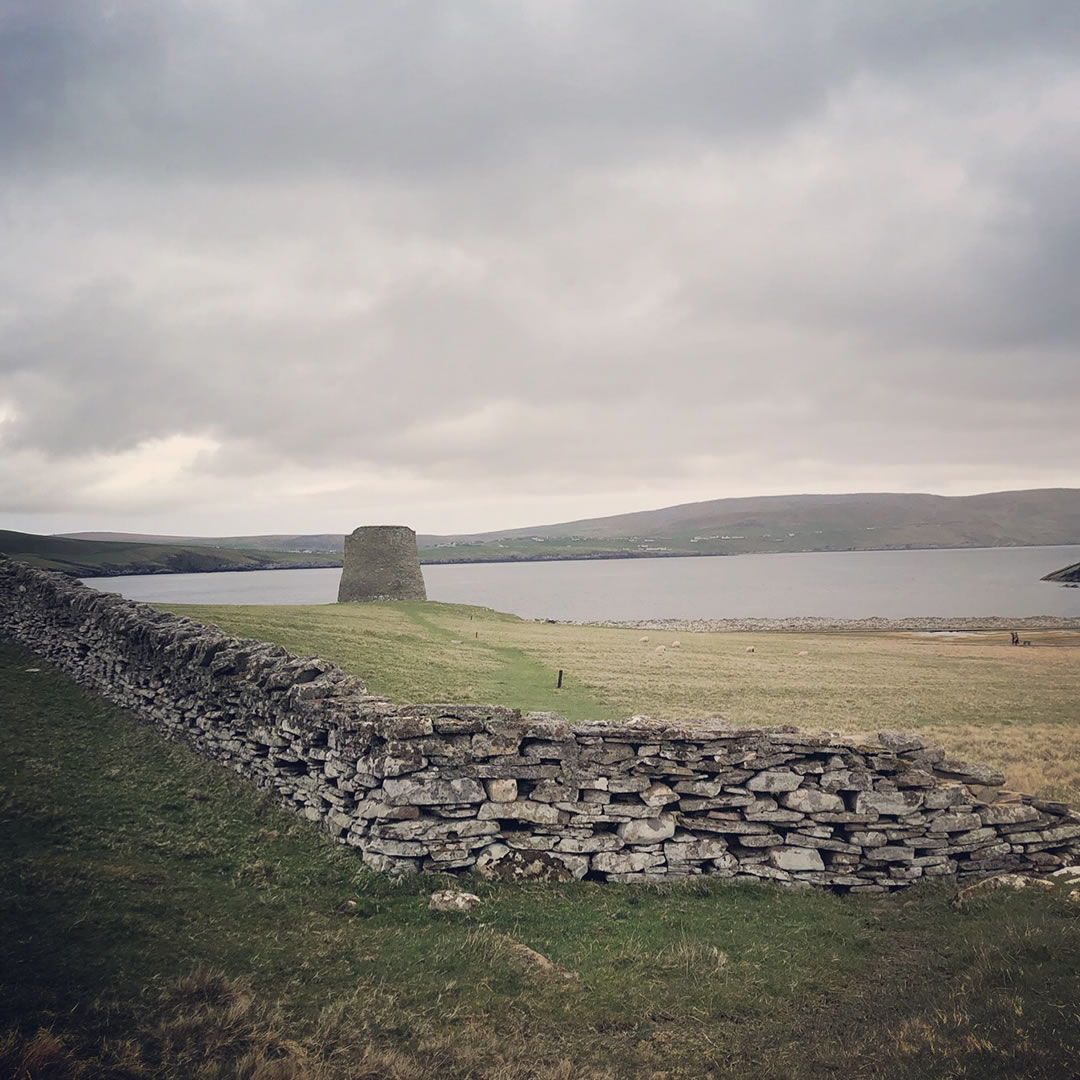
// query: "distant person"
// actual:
[[1015, 638]]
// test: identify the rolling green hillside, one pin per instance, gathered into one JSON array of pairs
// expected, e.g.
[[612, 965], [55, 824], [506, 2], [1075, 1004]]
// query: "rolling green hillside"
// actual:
[[1048, 516], [92, 558], [862, 522], [317, 543]]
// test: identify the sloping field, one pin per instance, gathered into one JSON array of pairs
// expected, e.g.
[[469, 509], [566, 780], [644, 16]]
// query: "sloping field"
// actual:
[[162, 919], [1016, 708], [1001, 517], [88, 558]]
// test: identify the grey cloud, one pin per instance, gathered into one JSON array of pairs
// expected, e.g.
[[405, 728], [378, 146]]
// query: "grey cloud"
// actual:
[[543, 246], [253, 87], [416, 385]]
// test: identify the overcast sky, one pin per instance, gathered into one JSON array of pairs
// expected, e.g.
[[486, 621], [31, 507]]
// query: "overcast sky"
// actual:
[[290, 266]]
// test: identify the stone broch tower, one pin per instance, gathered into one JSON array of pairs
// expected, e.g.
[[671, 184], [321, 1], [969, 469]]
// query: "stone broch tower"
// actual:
[[381, 563]]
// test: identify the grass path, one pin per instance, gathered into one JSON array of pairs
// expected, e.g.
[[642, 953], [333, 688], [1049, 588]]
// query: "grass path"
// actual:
[[162, 919], [513, 674]]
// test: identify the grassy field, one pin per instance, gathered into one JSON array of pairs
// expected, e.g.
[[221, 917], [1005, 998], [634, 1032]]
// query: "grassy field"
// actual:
[[164, 920], [1018, 709]]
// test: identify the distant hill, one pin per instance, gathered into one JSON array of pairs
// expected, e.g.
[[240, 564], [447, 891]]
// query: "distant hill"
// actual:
[[95, 558], [317, 543], [861, 522], [792, 523]]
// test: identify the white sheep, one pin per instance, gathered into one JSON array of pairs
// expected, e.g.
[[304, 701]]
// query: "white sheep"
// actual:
[[676, 645], [643, 639], [660, 649], [749, 648]]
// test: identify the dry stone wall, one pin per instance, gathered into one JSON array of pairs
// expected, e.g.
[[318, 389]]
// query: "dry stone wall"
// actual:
[[459, 787]]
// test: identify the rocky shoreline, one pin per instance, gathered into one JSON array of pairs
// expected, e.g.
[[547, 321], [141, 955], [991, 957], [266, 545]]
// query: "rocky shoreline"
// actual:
[[819, 625]]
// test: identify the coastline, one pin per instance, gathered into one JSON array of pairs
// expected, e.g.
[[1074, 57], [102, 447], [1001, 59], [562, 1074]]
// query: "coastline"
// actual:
[[822, 625], [426, 558], [165, 571], [192, 562]]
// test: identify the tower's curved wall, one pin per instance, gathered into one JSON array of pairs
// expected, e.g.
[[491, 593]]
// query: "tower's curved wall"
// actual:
[[381, 563]]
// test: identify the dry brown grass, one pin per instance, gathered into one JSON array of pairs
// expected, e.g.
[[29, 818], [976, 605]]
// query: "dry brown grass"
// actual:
[[1043, 759], [1015, 708], [206, 1026], [821, 681]]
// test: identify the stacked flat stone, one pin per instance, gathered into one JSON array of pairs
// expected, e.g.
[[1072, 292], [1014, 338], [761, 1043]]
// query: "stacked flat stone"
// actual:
[[449, 787]]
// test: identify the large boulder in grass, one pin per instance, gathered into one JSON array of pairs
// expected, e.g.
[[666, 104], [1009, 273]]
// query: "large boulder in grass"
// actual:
[[452, 900]]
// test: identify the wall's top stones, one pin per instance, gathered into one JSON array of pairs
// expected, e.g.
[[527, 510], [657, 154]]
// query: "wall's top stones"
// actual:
[[381, 563]]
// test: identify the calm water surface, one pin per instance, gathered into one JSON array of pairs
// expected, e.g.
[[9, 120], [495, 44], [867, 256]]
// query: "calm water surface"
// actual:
[[842, 585]]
